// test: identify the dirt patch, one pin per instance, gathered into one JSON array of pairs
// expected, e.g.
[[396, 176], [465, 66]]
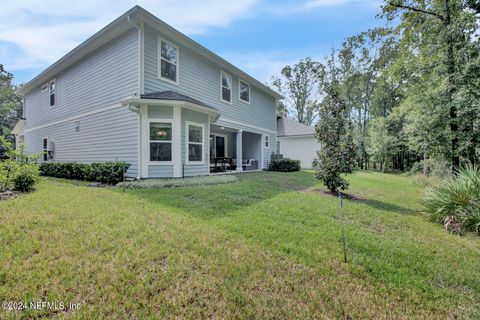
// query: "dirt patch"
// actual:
[[348, 196], [6, 195], [96, 185]]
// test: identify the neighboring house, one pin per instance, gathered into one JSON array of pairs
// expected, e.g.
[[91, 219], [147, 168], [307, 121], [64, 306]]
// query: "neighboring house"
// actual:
[[142, 92], [297, 141]]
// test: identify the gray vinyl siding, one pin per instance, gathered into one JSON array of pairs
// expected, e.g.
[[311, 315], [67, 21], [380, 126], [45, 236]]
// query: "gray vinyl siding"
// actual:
[[108, 136], [99, 80], [160, 112], [267, 152], [160, 171], [252, 147], [195, 169], [200, 79]]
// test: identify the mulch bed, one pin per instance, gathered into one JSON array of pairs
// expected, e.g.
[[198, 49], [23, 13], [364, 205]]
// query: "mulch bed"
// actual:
[[6, 195]]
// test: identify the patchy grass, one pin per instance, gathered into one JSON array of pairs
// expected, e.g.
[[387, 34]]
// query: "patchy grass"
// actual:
[[264, 247], [173, 183]]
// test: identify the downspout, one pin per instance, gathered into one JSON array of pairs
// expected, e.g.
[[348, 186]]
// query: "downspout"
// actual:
[[140, 91]]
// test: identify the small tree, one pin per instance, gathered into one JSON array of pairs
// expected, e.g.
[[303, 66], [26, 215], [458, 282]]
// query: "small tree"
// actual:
[[333, 132]]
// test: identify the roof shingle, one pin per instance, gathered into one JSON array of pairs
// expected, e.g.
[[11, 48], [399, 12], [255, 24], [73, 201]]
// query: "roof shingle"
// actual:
[[288, 127]]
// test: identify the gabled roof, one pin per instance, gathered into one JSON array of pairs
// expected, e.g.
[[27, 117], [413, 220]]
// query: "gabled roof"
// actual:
[[125, 22], [287, 127], [18, 129], [174, 96]]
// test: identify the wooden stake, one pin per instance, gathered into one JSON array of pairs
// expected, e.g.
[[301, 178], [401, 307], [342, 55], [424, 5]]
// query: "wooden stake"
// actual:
[[342, 221]]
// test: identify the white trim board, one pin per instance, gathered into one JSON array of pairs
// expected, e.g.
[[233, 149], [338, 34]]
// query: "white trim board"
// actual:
[[228, 122]]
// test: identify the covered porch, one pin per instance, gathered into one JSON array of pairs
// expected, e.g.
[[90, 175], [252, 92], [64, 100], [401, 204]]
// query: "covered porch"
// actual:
[[234, 150]]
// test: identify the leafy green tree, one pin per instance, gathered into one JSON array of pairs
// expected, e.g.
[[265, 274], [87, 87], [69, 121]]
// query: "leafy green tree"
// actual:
[[439, 35], [380, 144], [10, 104], [299, 84], [335, 159], [366, 86]]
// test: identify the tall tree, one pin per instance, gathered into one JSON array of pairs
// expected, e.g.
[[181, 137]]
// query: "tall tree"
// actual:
[[299, 84], [363, 59], [10, 104], [438, 28]]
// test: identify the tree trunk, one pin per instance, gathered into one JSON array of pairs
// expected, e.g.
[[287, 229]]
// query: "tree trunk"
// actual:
[[425, 161], [451, 88]]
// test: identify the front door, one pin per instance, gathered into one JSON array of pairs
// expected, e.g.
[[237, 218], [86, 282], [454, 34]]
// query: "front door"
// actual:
[[220, 146], [217, 146]]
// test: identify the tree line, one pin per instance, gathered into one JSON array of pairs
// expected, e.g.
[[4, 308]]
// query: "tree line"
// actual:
[[411, 89]]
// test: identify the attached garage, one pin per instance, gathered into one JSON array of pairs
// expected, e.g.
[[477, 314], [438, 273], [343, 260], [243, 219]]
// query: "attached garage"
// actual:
[[297, 141]]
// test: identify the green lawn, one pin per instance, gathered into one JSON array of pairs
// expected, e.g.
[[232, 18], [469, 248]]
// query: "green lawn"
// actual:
[[265, 247]]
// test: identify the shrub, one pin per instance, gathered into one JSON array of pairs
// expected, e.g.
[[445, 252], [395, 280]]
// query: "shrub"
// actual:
[[17, 170], [456, 200], [171, 183], [8, 170], [284, 165], [105, 172], [437, 168], [26, 177]]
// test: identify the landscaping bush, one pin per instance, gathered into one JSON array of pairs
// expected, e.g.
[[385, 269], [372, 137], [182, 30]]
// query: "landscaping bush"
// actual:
[[26, 177], [437, 168], [456, 202], [8, 170], [105, 172], [284, 165], [17, 170], [184, 182]]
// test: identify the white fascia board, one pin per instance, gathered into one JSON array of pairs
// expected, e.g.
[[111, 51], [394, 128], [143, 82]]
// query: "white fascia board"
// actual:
[[184, 104]]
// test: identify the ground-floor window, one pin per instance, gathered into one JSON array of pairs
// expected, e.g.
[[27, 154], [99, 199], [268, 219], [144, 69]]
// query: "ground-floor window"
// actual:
[[195, 141], [45, 149], [160, 141]]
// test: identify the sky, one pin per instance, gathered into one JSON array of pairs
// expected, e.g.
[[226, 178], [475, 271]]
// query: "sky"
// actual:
[[258, 36]]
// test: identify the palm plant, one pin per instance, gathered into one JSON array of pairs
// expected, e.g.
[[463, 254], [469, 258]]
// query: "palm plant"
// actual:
[[456, 201]]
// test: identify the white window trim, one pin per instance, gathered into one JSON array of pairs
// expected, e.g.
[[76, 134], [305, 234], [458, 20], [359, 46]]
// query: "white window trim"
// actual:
[[249, 91], [44, 88], [266, 140], [187, 124], [55, 93], [222, 73], [159, 60], [225, 146], [158, 120]]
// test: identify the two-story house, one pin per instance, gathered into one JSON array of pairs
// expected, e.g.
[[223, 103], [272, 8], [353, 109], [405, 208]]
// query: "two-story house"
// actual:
[[142, 92]]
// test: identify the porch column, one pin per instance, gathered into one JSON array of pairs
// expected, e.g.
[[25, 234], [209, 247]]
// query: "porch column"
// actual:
[[239, 150], [177, 142]]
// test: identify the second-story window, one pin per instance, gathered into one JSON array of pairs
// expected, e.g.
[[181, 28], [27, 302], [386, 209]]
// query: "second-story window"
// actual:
[[168, 61], [52, 87], [244, 91], [226, 87]]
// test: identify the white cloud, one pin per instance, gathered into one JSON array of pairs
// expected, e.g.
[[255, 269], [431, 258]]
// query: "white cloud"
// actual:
[[43, 31], [309, 5], [262, 66]]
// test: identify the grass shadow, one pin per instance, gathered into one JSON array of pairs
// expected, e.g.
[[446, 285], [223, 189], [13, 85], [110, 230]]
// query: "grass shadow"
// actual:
[[380, 205], [209, 201]]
